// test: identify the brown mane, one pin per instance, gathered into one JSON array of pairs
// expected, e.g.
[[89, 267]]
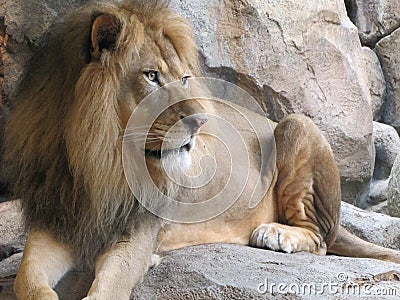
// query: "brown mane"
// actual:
[[63, 142]]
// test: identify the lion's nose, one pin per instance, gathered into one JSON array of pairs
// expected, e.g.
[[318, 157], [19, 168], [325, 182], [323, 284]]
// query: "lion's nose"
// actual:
[[195, 121]]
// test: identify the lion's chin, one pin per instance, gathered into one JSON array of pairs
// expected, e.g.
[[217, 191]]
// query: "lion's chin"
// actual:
[[173, 160], [175, 152]]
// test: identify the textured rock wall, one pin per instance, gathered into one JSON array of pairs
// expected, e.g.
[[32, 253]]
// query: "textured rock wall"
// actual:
[[24, 22], [376, 82], [378, 22], [394, 190], [374, 18], [388, 50]]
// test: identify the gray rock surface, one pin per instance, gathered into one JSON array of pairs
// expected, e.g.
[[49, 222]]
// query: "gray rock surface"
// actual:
[[374, 227], [388, 51], [387, 146], [12, 237], [237, 272], [376, 82], [394, 190], [295, 57], [377, 192], [25, 22], [379, 208], [222, 271], [374, 18]]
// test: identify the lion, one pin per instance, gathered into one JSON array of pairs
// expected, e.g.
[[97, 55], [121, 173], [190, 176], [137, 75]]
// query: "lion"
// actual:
[[64, 141]]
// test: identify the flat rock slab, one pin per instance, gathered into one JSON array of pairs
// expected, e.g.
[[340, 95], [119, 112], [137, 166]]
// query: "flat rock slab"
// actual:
[[376, 228]]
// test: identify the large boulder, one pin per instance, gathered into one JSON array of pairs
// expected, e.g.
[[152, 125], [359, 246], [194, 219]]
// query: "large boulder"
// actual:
[[374, 18], [387, 146], [24, 23], [388, 51], [377, 193], [376, 82], [12, 237], [394, 190], [373, 227]]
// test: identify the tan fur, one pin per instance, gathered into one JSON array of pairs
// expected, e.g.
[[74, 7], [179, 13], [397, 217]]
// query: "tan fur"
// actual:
[[64, 151]]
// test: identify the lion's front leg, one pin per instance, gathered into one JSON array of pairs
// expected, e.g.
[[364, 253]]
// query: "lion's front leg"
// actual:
[[44, 262], [289, 239], [124, 264]]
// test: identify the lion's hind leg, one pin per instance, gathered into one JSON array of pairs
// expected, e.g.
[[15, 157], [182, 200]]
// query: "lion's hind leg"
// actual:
[[307, 191], [44, 262]]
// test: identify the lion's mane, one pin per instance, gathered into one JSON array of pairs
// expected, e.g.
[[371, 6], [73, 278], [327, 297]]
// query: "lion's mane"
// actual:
[[63, 141]]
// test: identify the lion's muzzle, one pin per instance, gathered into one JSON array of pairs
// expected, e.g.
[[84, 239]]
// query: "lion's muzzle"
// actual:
[[195, 121]]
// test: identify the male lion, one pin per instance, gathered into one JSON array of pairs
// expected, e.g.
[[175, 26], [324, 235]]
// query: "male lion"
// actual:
[[64, 146]]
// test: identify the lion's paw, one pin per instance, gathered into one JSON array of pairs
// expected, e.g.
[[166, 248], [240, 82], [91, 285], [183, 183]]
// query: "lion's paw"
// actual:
[[275, 237]]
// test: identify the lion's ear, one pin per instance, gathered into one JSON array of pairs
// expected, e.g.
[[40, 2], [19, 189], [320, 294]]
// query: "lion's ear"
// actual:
[[104, 35]]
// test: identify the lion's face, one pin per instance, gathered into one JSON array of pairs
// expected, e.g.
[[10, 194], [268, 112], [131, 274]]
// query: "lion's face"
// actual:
[[173, 133]]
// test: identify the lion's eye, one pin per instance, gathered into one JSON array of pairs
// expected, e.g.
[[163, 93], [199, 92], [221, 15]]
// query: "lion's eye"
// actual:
[[185, 79], [152, 76]]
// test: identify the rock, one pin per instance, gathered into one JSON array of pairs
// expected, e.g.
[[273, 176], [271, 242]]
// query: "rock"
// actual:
[[237, 272], [387, 146], [295, 57], [12, 237], [374, 227], [394, 190], [25, 22], [377, 192], [379, 208], [376, 82], [388, 51], [374, 18], [9, 266]]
